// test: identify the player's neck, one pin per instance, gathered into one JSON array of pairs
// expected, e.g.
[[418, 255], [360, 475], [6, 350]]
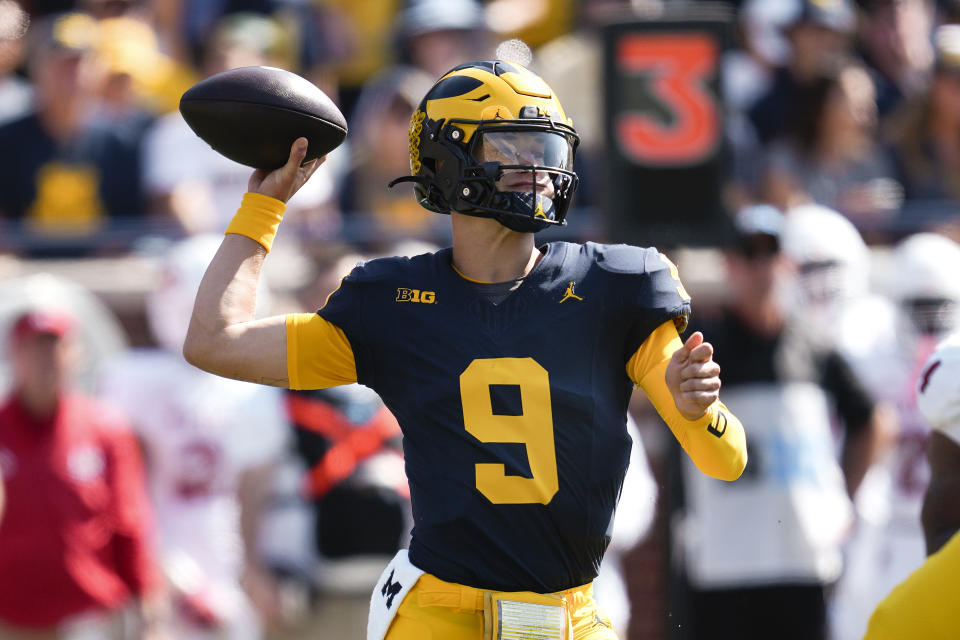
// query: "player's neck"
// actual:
[[486, 251]]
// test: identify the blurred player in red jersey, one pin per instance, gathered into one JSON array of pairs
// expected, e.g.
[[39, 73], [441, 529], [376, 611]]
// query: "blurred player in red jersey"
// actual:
[[74, 538], [211, 445]]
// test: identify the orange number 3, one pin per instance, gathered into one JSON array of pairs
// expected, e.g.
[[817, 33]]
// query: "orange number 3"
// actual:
[[679, 65]]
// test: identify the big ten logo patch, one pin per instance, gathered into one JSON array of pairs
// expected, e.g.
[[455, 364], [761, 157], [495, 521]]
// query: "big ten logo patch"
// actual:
[[416, 127], [415, 295]]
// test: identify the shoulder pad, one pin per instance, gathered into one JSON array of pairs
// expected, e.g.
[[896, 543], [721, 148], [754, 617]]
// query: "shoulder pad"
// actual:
[[380, 269], [377, 269], [621, 258], [938, 386]]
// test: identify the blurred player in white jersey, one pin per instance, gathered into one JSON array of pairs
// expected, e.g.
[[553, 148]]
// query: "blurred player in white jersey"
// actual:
[[832, 293], [886, 342], [924, 605], [938, 396], [210, 446], [926, 291]]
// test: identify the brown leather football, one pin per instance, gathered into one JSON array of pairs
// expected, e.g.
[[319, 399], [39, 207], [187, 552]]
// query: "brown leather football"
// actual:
[[253, 114]]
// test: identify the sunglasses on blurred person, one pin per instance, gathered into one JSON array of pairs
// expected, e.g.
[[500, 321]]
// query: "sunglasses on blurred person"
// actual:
[[758, 247]]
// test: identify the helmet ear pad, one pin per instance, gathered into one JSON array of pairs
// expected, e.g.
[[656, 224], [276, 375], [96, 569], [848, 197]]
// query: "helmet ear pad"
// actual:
[[440, 169]]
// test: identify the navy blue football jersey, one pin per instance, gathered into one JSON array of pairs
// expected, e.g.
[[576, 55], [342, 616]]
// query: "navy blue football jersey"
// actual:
[[514, 414]]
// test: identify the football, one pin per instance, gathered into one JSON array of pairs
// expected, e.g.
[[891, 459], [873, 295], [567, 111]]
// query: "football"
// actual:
[[253, 114]]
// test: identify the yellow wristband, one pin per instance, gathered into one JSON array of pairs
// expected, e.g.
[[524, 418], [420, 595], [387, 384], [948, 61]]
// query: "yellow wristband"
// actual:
[[258, 218]]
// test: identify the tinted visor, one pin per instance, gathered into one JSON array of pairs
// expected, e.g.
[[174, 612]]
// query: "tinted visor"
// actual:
[[525, 148], [933, 316], [822, 281]]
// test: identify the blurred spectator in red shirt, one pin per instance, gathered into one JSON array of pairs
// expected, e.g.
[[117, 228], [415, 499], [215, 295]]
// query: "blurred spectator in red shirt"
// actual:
[[74, 547], [212, 446]]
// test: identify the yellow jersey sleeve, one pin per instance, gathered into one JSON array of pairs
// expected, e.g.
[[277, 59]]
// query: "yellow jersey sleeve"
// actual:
[[716, 442], [925, 604], [318, 353]]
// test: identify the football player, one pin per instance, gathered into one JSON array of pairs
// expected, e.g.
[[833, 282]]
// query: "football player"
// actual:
[[507, 365], [889, 542], [924, 605], [212, 446], [831, 297]]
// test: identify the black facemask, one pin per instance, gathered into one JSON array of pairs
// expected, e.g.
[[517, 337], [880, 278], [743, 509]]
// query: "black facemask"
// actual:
[[530, 212]]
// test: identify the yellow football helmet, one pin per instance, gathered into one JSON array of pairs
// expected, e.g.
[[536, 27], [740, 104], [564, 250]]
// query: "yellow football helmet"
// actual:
[[490, 139]]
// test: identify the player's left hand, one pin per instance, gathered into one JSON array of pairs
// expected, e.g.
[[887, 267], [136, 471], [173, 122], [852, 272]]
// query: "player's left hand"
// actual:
[[693, 377]]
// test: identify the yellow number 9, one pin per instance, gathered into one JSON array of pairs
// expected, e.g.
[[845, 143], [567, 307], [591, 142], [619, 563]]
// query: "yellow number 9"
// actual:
[[534, 428]]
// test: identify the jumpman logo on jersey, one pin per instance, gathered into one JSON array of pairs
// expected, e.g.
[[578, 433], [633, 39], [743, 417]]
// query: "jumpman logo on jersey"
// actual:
[[598, 621], [568, 294]]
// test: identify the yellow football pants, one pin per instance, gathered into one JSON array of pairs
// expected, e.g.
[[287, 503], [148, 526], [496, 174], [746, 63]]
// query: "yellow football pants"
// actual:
[[435, 610]]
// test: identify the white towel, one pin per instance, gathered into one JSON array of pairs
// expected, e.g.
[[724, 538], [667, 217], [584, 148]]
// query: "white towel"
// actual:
[[391, 588]]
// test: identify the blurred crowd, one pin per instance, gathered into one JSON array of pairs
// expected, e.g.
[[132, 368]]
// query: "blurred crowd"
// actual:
[[96, 156], [268, 513], [848, 105]]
